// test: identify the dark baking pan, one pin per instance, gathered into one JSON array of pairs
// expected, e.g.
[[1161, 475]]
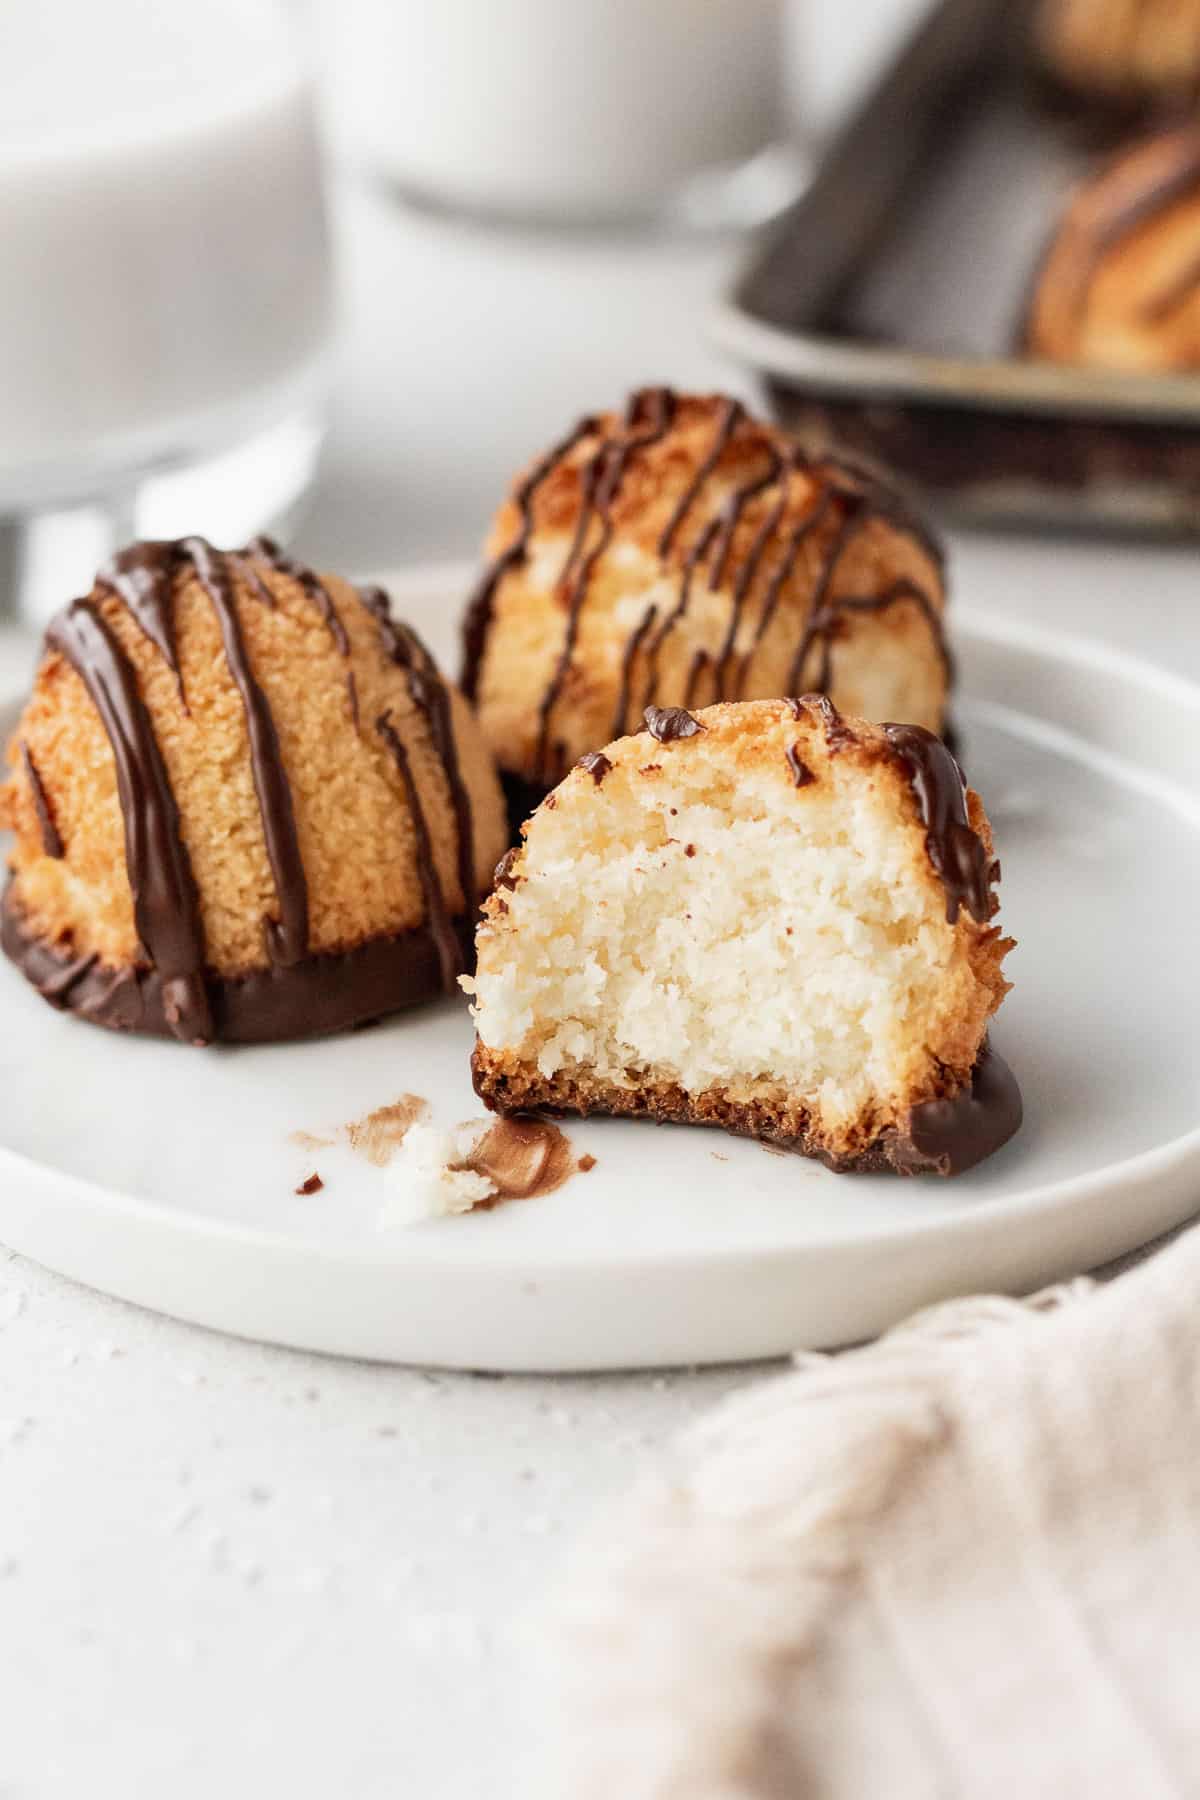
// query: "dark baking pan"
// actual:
[[883, 306]]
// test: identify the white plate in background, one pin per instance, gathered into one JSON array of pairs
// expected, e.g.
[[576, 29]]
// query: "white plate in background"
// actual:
[[166, 1175]]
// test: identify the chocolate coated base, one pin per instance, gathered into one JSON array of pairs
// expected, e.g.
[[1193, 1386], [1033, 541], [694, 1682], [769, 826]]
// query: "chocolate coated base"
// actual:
[[944, 1137], [318, 995]]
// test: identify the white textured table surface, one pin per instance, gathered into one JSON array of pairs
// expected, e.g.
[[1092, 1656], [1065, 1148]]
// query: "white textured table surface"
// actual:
[[239, 1571]]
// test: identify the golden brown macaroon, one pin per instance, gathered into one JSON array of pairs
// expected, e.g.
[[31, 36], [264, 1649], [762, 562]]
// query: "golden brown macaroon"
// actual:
[[246, 805], [764, 916], [1122, 53], [1119, 285], [684, 552]]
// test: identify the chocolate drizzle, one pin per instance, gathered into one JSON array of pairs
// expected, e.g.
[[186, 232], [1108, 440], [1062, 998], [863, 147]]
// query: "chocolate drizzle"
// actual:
[[717, 534], [732, 414], [287, 936], [628, 658], [955, 849], [802, 775], [838, 735], [166, 906], [826, 611], [945, 1137], [175, 991], [846, 498], [142, 577], [844, 490], [436, 916], [52, 842], [481, 605], [777, 581], [431, 697], [701, 660], [667, 723], [823, 625], [268, 551], [595, 764], [749, 568], [602, 481]]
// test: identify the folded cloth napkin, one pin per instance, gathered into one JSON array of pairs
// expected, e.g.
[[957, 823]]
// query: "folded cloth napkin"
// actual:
[[964, 1560]]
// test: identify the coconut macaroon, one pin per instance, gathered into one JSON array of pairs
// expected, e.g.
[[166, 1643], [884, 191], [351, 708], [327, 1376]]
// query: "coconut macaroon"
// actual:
[[246, 805], [683, 552], [1119, 285], [1127, 54], [765, 916]]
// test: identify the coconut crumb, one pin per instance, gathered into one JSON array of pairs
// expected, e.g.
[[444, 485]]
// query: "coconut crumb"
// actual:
[[428, 1178], [480, 1163]]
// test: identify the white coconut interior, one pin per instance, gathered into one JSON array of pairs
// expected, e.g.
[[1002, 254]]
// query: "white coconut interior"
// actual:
[[670, 929]]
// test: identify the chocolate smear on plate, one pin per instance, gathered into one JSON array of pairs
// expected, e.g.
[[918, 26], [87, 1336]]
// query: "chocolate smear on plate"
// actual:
[[379, 1135], [521, 1156]]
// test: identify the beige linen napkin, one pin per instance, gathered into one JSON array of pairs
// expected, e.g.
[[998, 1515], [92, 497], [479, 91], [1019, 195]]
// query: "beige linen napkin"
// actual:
[[962, 1561]]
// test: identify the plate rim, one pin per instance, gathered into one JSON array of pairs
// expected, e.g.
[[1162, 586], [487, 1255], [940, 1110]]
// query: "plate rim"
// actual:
[[969, 622]]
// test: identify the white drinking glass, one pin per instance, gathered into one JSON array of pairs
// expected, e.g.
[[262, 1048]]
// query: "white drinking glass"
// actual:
[[165, 308], [564, 111]]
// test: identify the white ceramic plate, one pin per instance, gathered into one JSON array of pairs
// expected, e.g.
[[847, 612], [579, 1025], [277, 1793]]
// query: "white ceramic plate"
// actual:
[[166, 1175]]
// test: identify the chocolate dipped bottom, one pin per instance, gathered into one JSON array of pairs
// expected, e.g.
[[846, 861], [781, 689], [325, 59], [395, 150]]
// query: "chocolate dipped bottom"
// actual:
[[246, 804]]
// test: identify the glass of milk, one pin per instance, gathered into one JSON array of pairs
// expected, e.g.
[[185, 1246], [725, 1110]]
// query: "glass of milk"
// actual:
[[565, 111], [165, 312]]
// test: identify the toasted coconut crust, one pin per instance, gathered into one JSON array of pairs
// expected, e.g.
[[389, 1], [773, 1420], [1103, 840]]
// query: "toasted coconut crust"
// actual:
[[296, 783], [684, 553], [786, 1126]]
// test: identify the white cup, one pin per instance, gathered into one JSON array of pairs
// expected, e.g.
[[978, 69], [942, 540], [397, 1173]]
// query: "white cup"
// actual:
[[166, 301], [556, 110]]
